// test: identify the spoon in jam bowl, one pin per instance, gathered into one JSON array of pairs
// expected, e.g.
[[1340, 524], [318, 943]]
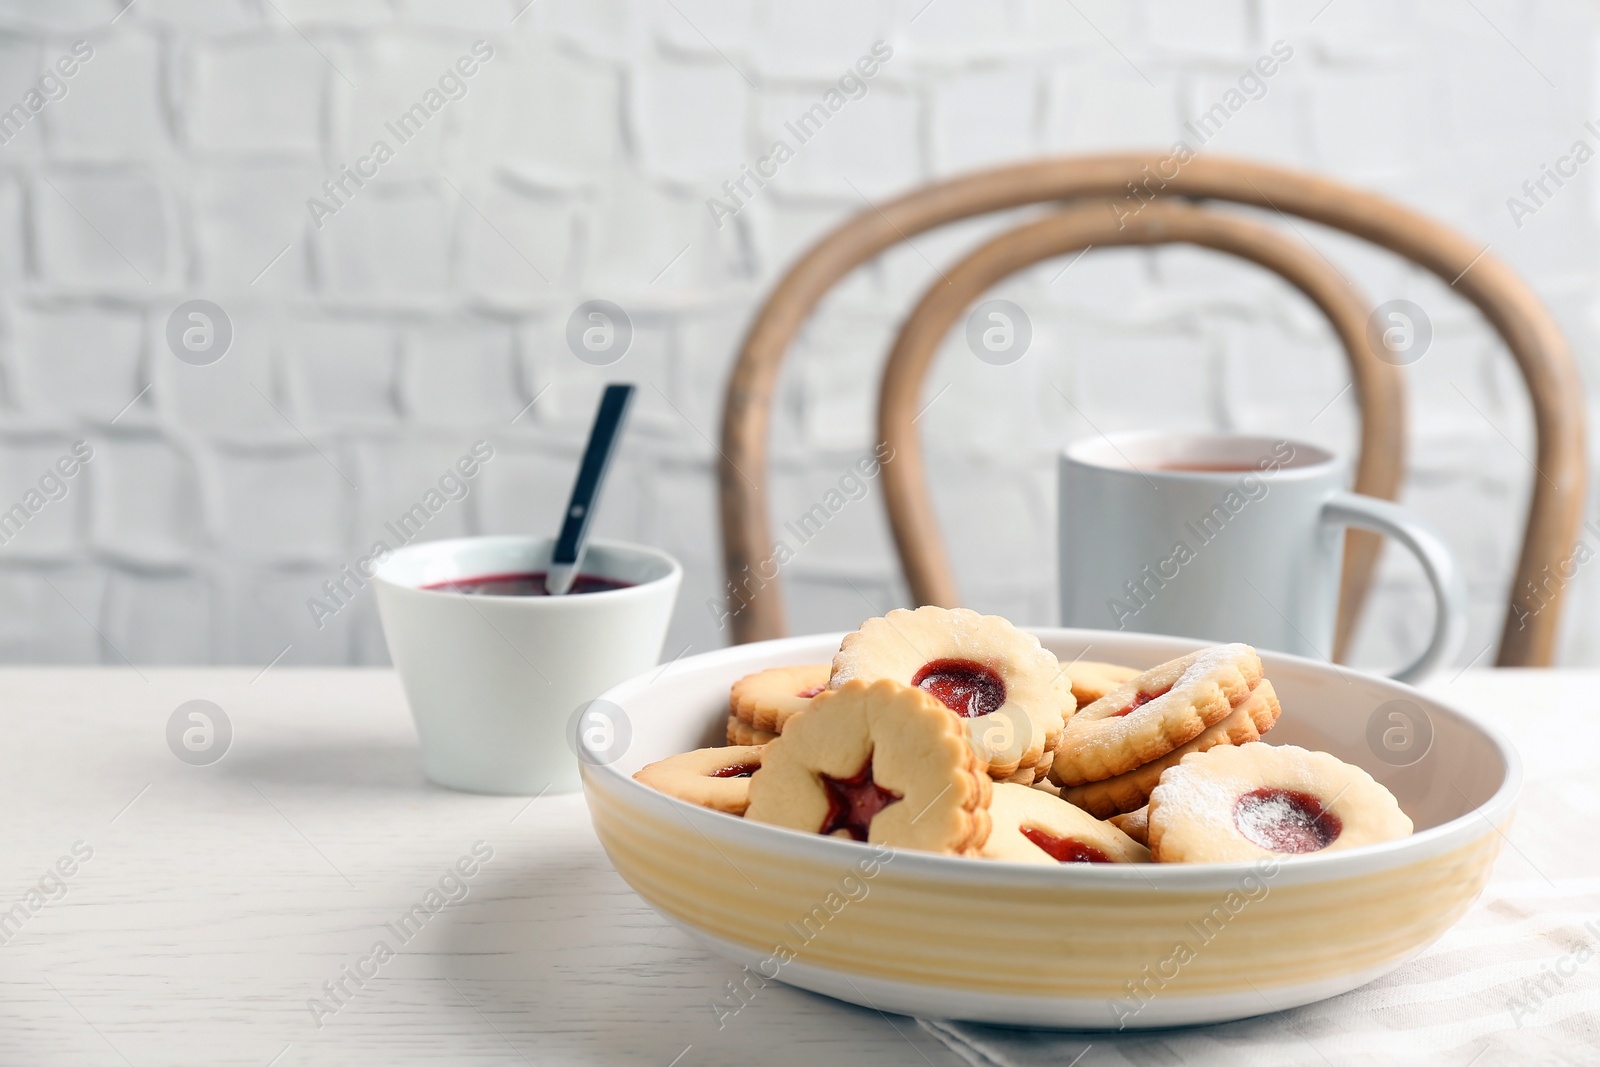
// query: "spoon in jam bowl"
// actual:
[[567, 556]]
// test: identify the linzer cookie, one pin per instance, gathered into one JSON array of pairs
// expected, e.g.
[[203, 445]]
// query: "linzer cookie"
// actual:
[[1030, 826], [900, 749], [742, 733], [1136, 824], [1147, 717], [767, 699], [878, 762], [1092, 680], [711, 777], [1126, 792], [1011, 693], [1252, 801]]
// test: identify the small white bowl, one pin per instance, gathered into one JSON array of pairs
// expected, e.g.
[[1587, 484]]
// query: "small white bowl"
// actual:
[[1080, 945], [494, 682]]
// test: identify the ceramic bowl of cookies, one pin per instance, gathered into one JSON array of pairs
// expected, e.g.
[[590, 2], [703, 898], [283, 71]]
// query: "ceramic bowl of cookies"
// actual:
[[946, 816]]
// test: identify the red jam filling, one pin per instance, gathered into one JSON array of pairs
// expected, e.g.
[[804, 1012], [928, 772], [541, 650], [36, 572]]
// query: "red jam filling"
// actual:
[[1065, 849], [529, 584], [1140, 700], [807, 694], [1285, 820], [969, 689], [852, 802], [738, 770]]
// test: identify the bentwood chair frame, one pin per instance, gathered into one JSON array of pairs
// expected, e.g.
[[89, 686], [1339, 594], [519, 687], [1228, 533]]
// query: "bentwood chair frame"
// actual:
[[1116, 200]]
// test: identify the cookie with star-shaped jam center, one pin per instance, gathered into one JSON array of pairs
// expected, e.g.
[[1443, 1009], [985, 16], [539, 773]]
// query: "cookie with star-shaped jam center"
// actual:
[[879, 762]]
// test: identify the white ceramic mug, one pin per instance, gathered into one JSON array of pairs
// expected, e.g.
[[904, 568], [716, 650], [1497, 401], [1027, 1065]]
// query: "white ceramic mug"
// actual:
[[1228, 539], [496, 683]]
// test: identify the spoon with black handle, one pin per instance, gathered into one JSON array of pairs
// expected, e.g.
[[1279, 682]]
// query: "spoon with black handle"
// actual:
[[567, 558]]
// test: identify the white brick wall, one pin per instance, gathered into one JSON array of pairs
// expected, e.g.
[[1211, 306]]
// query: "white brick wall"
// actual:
[[430, 309]]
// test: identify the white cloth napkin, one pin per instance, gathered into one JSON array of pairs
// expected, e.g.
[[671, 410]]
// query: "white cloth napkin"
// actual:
[[1517, 981]]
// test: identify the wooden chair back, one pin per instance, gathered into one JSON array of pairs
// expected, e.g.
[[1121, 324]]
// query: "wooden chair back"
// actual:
[[1099, 211], [1379, 388]]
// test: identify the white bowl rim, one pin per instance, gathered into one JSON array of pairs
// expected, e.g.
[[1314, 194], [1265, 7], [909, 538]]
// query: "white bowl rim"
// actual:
[[384, 571], [1327, 866], [1091, 452]]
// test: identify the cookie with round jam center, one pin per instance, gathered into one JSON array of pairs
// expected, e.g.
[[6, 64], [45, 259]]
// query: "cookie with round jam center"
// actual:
[[1285, 820], [1011, 692], [1259, 801]]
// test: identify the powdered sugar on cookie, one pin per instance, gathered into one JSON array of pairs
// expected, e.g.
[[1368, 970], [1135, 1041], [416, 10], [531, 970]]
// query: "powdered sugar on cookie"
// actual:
[[1149, 716]]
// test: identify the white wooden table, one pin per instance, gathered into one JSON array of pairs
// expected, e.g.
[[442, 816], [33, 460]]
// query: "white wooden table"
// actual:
[[218, 901]]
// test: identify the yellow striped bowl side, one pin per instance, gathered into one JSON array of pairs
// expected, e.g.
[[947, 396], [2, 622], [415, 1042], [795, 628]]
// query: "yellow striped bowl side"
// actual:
[[1011, 937]]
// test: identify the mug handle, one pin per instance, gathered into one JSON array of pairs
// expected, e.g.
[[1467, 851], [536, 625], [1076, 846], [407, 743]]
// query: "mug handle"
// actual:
[[1449, 585]]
